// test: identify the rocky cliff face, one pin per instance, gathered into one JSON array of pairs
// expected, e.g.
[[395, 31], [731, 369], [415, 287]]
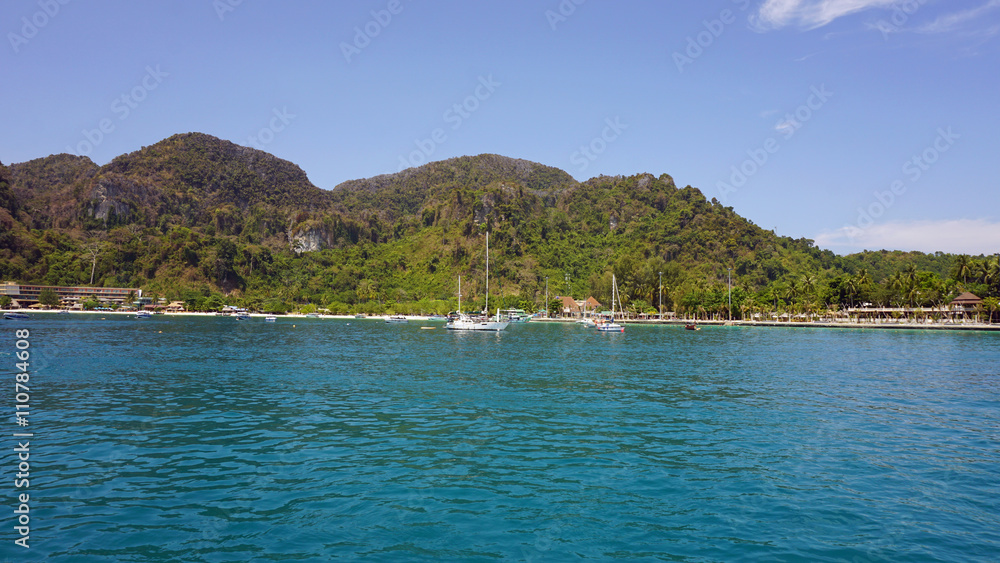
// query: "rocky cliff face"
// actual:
[[308, 240]]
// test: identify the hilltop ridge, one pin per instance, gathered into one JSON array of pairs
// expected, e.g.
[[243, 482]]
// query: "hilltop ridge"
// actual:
[[194, 211]]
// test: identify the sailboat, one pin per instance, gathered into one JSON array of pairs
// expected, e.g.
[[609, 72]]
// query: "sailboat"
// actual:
[[612, 326], [466, 322]]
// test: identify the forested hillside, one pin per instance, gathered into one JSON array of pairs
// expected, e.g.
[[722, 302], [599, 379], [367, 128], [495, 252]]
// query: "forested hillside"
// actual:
[[206, 221]]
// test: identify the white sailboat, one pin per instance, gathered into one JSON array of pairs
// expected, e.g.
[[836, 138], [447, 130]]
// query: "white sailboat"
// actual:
[[612, 326], [466, 322]]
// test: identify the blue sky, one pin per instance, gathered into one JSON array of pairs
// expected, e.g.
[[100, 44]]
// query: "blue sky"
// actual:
[[856, 123]]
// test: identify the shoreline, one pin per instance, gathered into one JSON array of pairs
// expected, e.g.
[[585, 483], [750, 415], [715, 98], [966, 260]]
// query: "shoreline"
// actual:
[[797, 324], [641, 322]]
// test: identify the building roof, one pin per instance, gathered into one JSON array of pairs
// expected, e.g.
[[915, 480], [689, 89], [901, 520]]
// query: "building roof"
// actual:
[[569, 305], [592, 303], [967, 299]]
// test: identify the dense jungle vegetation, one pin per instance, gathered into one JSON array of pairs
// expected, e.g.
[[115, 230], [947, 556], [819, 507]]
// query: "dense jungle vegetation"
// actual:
[[204, 221]]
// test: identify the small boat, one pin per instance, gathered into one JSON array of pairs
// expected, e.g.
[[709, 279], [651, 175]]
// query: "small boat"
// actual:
[[437, 318], [15, 316], [143, 315], [62, 312], [312, 315], [241, 314], [428, 327], [692, 326], [396, 319], [359, 316], [611, 325], [270, 319]]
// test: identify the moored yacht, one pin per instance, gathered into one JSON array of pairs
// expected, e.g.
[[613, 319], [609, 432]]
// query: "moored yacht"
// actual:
[[611, 325], [469, 322]]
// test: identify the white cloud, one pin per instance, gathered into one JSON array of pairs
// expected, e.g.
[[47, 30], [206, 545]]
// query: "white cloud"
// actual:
[[950, 22], [785, 125], [959, 236], [809, 14]]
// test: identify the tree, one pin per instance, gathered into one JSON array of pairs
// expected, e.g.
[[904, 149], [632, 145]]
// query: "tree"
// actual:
[[991, 275], [863, 277], [5, 301], [48, 297], [897, 285], [93, 251], [809, 285], [991, 304], [962, 268], [851, 288], [225, 256]]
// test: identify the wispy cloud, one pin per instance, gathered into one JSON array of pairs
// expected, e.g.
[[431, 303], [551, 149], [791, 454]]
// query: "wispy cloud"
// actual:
[[951, 22], [809, 14], [960, 236], [785, 125]]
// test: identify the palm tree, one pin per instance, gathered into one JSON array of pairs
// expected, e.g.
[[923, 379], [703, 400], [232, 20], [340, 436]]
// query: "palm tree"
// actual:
[[851, 287], [897, 285], [979, 310], [992, 275], [792, 291], [809, 285], [981, 270], [962, 267], [991, 304], [862, 280], [863, 277]]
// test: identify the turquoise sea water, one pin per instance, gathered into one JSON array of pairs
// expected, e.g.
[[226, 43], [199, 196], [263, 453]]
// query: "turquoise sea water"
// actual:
[[208, 439]]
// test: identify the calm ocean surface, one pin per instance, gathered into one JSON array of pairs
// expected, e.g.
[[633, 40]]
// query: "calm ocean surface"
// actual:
[[208, 439]]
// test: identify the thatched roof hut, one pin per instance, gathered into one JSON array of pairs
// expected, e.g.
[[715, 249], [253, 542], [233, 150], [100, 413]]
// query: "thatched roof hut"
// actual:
[[966, 301]]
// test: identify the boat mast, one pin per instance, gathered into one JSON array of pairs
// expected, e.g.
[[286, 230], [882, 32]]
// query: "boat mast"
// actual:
[[459, 296], [614, 289], [487, 309], [614, 292]]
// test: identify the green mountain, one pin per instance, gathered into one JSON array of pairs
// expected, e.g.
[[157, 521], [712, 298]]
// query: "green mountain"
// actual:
[[198, 218]]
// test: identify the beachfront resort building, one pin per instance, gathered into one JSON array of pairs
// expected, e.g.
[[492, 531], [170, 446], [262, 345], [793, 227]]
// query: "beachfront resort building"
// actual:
[[578, 308], [26, 295], [964, 308]]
